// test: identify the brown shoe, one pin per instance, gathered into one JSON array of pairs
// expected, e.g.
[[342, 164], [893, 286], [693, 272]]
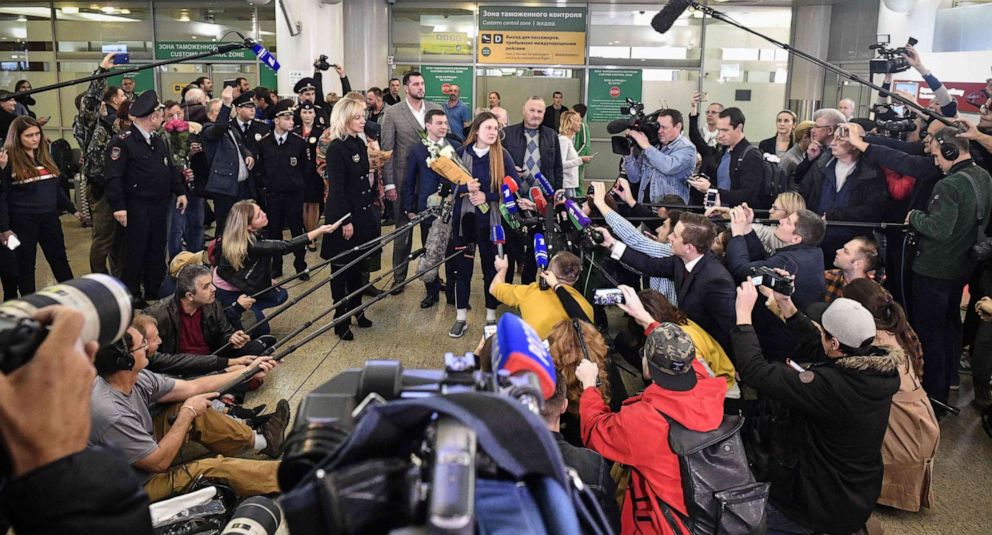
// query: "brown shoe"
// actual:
[[275, 430]]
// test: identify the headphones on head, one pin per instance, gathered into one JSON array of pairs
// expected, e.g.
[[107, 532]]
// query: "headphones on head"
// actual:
[[118, 355], [949, 151]]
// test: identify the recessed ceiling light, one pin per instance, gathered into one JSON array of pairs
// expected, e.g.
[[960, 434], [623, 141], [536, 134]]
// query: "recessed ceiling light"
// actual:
[[70, 10]]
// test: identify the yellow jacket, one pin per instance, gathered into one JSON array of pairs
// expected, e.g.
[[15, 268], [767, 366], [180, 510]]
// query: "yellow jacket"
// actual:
[[711, 353], [541, 309]]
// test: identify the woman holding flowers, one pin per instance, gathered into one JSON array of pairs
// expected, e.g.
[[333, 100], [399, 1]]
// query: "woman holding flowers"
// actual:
[[476, 210]]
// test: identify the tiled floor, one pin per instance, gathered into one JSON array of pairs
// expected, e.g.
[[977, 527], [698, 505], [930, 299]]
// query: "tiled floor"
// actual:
[[963, 473]]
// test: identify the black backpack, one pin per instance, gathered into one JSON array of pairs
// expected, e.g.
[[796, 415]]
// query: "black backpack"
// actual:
[[721, 495], [773, 182]]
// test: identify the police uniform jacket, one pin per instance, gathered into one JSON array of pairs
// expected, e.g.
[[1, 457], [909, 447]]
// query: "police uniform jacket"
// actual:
[[349, 190], [313, 182], [282, 168], [256, 131], [136, 170]]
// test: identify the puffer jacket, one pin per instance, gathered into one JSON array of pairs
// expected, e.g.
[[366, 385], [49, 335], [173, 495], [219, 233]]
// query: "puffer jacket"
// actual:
[[841, 413]]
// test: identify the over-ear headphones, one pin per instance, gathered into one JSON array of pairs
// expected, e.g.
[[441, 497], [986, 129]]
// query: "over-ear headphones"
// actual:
[[949, 151], [117, 356]]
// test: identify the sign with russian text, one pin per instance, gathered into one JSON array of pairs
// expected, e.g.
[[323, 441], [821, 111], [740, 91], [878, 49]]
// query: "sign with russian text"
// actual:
[[439, 79], [532, 35], [609, 89], [182, 49]]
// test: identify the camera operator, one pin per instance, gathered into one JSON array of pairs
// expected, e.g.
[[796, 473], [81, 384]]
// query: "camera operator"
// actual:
[[704, 287], [664, 169], [628, 234], [947, 230], [121, 396], [542, 309], [801, 257], [948, 105], [308, 88], [593, 469], [833, 474], [57, 484], [738, 170], [682, 390]]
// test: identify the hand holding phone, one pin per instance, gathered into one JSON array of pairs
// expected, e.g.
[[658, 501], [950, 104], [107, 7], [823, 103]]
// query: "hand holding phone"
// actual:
[[607, 296]]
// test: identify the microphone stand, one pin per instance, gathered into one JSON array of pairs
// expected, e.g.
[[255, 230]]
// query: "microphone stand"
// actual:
[[219, 49], [817, 61]]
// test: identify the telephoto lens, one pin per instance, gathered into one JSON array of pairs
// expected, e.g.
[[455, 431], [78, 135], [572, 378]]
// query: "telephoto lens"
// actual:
[[255, 516], [103, 300]]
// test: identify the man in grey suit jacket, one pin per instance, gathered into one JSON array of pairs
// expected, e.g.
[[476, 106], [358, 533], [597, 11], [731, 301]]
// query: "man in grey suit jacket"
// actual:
[[402, 125]]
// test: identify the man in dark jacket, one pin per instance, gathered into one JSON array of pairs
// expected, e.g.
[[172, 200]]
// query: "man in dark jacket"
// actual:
[[733, 167], [592, 468], [181, 364], [705, 288], [534, 147], [833, 477], [193, 321], [231, 162], [844, 187], [801, 257], [947, 230]]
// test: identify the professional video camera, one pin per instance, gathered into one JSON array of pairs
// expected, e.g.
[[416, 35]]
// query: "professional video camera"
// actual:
[[890, 60], [635, 120], [894, 120]]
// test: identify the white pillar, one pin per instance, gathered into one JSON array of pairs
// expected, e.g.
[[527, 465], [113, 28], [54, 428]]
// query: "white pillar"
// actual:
[[321, 33], [366, 41]]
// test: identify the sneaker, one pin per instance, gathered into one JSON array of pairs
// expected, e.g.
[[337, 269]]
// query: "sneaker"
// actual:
[[458, 329], [243, 413], [964, 364], [275, 430], [956, 382], [266, 340], [490, 323]]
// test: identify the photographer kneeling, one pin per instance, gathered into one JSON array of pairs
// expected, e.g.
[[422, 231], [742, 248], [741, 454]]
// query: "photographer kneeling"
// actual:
[[122, 395], [841, 411]]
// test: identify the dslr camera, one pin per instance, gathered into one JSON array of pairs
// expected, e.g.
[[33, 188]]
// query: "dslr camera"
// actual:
[[322, 64], [769, 278], [890, 60], [635, 120]]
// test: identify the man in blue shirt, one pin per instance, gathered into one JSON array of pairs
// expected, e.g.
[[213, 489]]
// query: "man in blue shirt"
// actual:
[[662, 170], [459, 116]]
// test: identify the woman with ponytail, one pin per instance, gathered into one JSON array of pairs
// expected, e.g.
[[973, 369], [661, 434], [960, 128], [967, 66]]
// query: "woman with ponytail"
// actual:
[[911, 440]]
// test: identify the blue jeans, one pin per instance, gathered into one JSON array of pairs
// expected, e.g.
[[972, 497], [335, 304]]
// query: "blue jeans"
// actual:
[[187, 227], [270, 299]]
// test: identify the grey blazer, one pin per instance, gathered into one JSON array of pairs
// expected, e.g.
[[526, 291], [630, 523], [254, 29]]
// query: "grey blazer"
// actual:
[[400, 133]]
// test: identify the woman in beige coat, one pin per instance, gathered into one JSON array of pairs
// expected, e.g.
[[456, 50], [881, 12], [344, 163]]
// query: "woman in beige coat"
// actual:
[[911, 441]]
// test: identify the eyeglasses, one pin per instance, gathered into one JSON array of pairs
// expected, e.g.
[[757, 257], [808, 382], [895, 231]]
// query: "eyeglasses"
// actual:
[[823, 126], [142, 347]]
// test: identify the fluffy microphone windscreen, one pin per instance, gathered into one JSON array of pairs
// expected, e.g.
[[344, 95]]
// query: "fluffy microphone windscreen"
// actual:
[[517, 349]]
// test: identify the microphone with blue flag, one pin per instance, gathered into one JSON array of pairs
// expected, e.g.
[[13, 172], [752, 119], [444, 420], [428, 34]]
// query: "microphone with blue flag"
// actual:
[[541, 258], [518, 349]]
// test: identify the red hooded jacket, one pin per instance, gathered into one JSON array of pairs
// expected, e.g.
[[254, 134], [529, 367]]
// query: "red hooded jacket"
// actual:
[[637, 436]]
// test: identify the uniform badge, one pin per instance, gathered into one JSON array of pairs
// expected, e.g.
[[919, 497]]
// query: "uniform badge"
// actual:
[[356, 158], [258, 137], [806, 377], [312, 140], [292, 161], [115, 153]]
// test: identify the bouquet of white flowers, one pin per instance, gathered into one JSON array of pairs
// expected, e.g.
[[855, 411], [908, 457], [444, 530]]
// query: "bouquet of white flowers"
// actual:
[[443, 161]]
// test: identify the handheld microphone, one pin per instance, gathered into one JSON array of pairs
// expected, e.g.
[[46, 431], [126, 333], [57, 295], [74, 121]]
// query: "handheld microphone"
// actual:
[[663, 21], [538, 197], [517, 349], [262, 53], [543, 182], [514, 188], [541, 258], [575, 214], [497, 236], [509, 201]]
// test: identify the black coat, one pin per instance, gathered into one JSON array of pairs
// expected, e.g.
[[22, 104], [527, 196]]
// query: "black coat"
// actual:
[[136, 170], [707, 295], [747, 170], [313, 183], [767, 146], [515, 142], [349, 191], [216, 329], [255, 274], [842, 413], [283, 168]]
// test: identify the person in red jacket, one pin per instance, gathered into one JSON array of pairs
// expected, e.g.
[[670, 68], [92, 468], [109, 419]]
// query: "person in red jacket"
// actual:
[[637, 436]]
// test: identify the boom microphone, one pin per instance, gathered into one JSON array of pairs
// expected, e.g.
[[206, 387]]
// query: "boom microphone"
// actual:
[[518, 349], [663, 21], [262, 53]]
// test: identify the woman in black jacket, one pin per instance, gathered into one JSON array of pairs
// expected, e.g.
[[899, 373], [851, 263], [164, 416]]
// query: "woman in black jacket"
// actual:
[[244, 262], [351, 190], [30, 203], [313, 182], [782, 141]]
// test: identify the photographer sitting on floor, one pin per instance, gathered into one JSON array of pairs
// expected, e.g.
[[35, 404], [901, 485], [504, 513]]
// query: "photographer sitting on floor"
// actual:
[[122, 394]]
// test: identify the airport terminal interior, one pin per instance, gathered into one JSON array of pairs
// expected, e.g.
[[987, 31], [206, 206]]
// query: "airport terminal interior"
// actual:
[[599, 55]]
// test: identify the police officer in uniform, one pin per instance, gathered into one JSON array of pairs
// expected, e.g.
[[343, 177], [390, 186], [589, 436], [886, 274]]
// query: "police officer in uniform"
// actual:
[[283, 163], [306, 91], [252, 130], [140, 182]]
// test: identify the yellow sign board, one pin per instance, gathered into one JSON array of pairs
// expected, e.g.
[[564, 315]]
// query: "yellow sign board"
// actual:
[[446, 43], [177, 88], [536, 48]]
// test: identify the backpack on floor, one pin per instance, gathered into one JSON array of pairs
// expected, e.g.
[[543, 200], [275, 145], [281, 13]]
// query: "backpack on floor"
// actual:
[[721, 495]]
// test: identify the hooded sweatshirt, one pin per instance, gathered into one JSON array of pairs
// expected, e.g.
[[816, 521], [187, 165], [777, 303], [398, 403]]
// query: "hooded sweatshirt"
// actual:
[[637, 436]]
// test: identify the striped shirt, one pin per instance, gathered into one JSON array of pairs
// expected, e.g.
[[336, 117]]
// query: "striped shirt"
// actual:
[[629, 235]]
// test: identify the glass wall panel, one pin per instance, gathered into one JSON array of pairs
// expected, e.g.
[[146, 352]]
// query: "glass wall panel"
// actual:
[[516, 84], [433, 34], [744, 70], [26, 53], [622, 35]]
